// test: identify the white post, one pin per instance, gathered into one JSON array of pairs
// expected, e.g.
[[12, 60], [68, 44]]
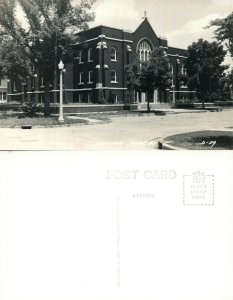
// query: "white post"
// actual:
[[61, 119], [143, 97], [156, 96], [173, 95]]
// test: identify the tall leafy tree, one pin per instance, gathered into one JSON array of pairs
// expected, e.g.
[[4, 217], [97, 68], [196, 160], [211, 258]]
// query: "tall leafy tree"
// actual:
[[224, 31], [147, 76], [48, 30], [227, 85], [133, 79], [205, 69], [12, 63], [230, 77], [155, 74]]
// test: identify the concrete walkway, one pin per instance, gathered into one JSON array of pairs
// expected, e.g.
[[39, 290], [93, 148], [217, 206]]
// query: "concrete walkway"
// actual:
[[91, 121]]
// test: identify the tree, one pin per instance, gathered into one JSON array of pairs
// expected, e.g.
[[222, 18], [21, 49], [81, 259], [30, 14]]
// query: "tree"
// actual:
[[12, 63], [230, 77], [155, 74], [133, 79], [227, 86], [149, 75], [101, 98], [205, 69], [51, 26], [224, 31]]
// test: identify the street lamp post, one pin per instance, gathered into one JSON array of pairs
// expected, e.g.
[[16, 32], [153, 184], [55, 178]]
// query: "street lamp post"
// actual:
[[61, 68], [177, 76], [8, 90], [55, 71], [23, 91], [173, 94]]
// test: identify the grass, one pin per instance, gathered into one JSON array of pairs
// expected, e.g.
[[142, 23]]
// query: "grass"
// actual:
[[15, 120], [203, 140]]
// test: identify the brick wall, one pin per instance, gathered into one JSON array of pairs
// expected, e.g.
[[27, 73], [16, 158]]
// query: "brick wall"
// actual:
[[118, 39]]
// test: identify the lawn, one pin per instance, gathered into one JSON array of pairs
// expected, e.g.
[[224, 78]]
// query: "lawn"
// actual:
[[202, 140], [15, 120]]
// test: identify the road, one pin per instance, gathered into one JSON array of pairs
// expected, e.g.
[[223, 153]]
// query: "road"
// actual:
[[122, 133]]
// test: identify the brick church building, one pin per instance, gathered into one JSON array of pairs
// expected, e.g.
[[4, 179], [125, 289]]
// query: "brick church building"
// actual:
[[97, 74]]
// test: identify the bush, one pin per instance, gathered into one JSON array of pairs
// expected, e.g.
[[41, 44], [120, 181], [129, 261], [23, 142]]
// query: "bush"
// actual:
[[224, 103], [101, 99], [30, 108], [215, 97], [184, 103]]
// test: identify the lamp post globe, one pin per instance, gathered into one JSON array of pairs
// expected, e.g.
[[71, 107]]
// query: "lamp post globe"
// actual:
[[61, 67]]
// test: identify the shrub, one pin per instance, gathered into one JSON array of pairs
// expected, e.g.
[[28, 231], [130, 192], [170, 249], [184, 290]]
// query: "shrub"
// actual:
[[30, 108], [111, 98], [101, 99]]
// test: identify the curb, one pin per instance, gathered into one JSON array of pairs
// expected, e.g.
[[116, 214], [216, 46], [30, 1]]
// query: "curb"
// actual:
[[164, 145]]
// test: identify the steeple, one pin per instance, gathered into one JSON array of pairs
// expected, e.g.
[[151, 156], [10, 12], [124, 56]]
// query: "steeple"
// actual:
[[146, 25], [145, 15]]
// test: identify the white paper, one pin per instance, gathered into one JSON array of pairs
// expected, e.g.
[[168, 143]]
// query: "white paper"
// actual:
[[115, 225]]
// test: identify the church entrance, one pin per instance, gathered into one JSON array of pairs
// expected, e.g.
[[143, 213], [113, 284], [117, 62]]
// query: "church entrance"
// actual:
[[142, 101], [141, 97]]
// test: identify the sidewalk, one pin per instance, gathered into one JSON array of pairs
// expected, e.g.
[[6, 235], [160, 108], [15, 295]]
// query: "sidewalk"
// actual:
[[85, 115], [91, 121]]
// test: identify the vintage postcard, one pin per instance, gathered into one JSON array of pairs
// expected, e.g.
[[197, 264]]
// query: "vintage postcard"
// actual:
[[93, 94]]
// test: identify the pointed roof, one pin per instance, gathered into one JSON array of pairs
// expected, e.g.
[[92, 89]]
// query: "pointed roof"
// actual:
[[145, 22]]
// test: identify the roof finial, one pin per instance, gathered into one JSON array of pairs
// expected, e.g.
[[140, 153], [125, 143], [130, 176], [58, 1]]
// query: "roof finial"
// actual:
[[145, 14]]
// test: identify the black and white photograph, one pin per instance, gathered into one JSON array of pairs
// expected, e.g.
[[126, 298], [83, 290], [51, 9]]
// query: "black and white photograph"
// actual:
[[145, 75], [92, 95]]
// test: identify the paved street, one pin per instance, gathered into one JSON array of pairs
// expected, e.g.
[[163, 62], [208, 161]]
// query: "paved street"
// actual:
[[122, 133]]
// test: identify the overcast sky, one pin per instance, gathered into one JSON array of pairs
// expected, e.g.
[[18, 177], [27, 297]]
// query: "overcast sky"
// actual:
[[181, 21]]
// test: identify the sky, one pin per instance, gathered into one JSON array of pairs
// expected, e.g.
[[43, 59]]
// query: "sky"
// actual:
[[180, 21]]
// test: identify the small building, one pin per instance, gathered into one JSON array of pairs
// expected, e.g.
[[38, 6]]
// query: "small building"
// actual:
[[97, 74]]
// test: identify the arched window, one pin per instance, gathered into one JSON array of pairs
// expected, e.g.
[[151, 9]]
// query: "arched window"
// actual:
[[15, 87], [80, 56], [183, 70], [90, 54], [42, 82], [90, 77], [113, 76], [81, 78], [171, 68], [113, 54], [144, 50]]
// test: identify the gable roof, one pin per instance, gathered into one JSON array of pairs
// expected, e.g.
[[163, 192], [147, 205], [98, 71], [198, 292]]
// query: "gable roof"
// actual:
[[147, 23]]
